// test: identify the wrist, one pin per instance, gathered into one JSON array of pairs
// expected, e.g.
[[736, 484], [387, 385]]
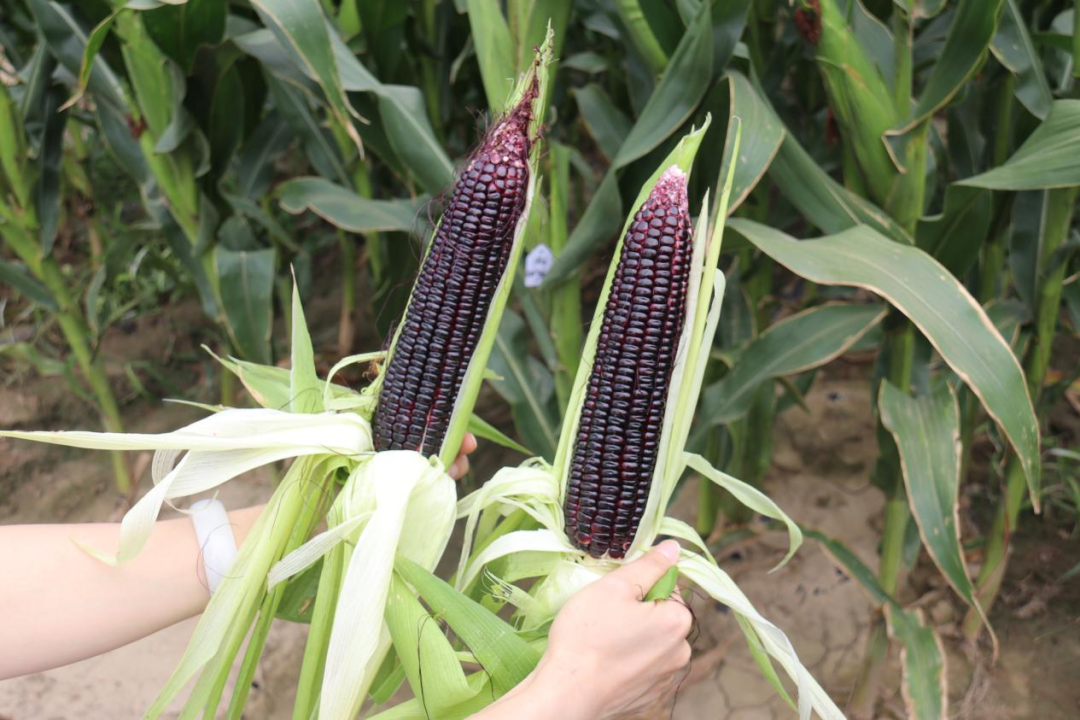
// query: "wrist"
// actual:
[[568, 688]]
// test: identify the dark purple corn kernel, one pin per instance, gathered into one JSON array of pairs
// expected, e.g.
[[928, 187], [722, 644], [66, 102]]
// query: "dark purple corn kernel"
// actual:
[[453, 291], [623, 410]]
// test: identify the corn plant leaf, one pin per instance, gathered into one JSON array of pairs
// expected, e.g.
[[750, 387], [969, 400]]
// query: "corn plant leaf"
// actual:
[[758, 148], [247, 289], [923, 656], [955, 236], [684, 83], [970, 32], [607, 124], [408, 131], [67, 41], [527, 384], [413, 709], [295, 109], [486, 431], [298, 599], [428, 658], [876, 40], [807, 340], [641, 34], [16, 276], [301, 26], [1030, 210], [1014, 48], [861, 101], [180, 29], [50, 157], [347, 210], [305, 395], [494, 49], [936, 302], [828, 205], [751, 497], [1047, 159], [496, 645], [719, 586], [927, 433], [266, 143]]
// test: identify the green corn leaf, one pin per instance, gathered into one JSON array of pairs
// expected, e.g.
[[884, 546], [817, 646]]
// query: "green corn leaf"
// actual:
[[927, 433], [604, 120], [641, 34], [801, 342], [758, 148], [486, 431], [347, 210], [526, 384], [319, 145], [180, 29], [494, 49], [683, 85], [67, 41], [247, 289], [16, 276], [955, 236], [1047, 159], [935, 302], [302, 27], [50, 158], [828, 205], [427, 657], [1014, 48], [859, 98], [970, 32], [494, 643], [923, 655], [305, 394]]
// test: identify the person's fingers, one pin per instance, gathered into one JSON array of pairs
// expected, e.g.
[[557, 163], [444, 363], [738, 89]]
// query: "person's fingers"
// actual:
[[462, 465], [676, 617], [468, 444], [646, 570]]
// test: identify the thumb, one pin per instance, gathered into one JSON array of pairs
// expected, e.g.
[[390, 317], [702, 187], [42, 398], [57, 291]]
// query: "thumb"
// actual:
[[646, 570]]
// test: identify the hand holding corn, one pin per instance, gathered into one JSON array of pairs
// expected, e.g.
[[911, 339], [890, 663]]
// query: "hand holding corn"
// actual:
[[609, 654]]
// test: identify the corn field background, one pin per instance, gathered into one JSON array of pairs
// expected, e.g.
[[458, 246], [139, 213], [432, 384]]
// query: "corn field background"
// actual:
[[897, 362]]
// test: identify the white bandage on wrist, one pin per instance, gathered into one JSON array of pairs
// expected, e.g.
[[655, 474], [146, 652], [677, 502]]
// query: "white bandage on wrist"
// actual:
[[217, 544]]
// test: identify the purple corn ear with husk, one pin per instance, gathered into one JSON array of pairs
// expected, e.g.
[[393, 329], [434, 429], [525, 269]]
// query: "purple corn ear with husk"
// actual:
[[457, 281], [623, 410]]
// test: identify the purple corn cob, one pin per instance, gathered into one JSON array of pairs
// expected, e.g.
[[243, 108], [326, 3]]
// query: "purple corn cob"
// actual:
[[623, 411], [453, 292]]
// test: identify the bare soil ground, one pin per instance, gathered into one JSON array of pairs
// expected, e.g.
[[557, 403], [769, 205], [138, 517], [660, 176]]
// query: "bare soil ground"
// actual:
[[820, 476]]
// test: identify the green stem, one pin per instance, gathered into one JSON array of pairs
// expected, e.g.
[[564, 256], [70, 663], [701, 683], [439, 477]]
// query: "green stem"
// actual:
[[864, 695], [566, 326], [641, 35], [318, 639], [76, 333], [1057, 220], [429, 77], [346, 327]]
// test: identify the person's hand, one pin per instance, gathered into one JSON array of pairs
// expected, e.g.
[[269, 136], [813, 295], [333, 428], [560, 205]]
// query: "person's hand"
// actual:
[[460, 466], [610, 654]]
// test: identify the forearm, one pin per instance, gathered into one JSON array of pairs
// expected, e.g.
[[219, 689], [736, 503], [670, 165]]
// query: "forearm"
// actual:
[[58, 605]]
